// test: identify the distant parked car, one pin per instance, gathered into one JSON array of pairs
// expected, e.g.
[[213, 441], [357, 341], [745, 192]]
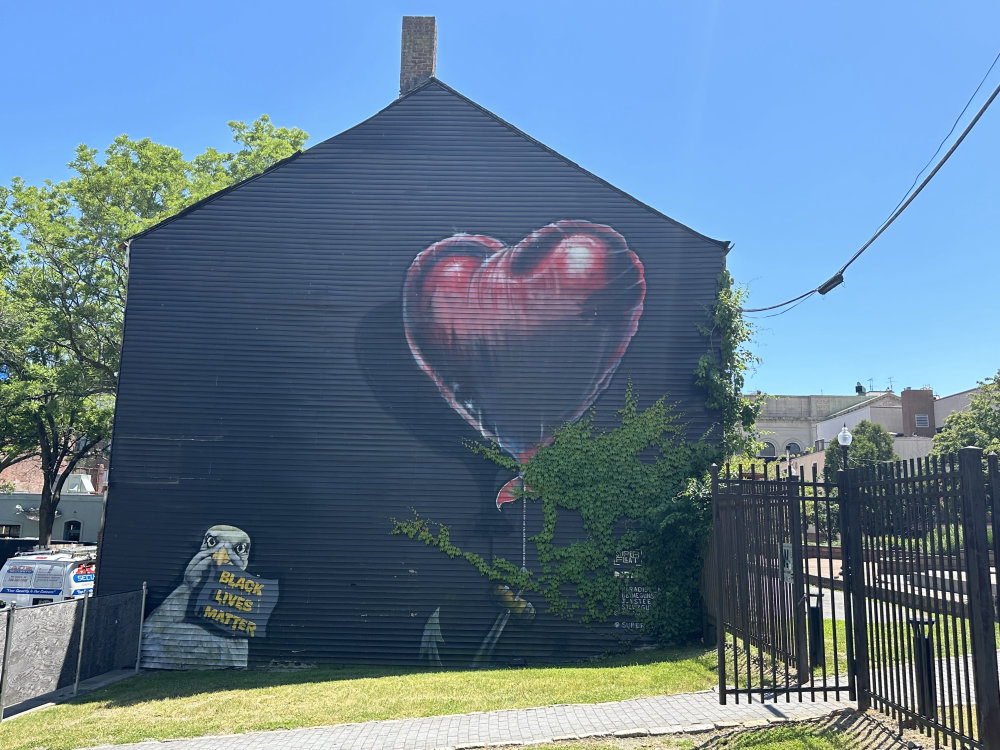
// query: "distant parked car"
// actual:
[[46, 576]]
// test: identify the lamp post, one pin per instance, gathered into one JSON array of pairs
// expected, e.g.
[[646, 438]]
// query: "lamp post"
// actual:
[[844, 437]]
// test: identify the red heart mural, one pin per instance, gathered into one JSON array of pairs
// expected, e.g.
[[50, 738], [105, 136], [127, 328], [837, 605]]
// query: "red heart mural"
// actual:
[[522, 340]]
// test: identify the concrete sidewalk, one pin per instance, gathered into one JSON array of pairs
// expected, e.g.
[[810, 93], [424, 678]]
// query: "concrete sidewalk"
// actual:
[[672, 714]]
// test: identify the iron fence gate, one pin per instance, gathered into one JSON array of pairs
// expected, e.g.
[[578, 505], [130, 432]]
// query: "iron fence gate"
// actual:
[[777, 586], [883, 585]]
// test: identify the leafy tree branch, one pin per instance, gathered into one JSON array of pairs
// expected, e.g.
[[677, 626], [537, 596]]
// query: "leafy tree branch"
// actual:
[[63, 273], [978, 425]]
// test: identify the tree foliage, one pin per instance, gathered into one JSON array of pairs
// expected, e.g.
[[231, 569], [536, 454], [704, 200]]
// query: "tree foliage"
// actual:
[[63, 282], [978, 425], [66, 240], [18, 434], [871, 444]]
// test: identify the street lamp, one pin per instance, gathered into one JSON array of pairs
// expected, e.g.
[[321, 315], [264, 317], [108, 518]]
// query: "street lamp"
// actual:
[[844, 437]]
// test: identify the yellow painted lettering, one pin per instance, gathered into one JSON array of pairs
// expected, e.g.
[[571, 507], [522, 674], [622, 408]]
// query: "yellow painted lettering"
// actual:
[[244, 583]]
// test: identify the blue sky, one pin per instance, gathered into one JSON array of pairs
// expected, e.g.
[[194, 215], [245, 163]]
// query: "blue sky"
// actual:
[[791, 129]]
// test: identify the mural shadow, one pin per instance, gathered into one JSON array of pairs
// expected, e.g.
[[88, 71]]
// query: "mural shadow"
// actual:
[[408, 396]]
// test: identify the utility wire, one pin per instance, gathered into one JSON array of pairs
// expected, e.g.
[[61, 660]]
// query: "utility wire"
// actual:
[[838, 278], [791, 307], [927, 179], [953, 126]]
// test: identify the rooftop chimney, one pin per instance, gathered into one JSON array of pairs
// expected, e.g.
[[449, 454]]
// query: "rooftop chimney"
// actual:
[[419, 48]]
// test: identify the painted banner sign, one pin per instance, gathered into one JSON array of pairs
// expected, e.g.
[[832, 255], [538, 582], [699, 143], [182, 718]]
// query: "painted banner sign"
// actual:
[[236, 603]]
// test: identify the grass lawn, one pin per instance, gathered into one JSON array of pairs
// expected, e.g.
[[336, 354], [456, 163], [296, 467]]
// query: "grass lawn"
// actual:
[[166, 705], [801, 737]]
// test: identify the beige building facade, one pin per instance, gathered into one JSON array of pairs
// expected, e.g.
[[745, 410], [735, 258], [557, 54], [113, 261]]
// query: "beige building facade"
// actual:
[[805, 425]]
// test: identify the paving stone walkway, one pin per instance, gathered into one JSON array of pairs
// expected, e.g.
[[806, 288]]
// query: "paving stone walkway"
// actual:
[[672, 714]]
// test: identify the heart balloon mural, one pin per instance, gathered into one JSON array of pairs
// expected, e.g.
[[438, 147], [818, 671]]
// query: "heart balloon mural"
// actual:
[[520, 340]]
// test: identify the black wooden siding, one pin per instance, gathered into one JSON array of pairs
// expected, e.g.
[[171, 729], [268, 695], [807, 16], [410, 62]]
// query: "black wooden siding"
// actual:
[[266, 381]]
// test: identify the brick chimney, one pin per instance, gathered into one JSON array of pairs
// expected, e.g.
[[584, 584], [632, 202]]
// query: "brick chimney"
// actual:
[[918, 412], [419, 49]]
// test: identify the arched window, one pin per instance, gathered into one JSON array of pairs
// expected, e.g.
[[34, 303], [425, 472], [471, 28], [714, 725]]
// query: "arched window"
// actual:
[[71, 531], [768, 451], [793, 448]]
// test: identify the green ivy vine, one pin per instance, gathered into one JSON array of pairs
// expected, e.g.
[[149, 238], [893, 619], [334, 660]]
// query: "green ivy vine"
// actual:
[[611, 481], [722, 369], [641, 485]]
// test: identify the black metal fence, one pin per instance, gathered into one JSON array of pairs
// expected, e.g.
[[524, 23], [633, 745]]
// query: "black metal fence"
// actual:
[[777, 586], [893, 569], [52, 646], [924, 599]]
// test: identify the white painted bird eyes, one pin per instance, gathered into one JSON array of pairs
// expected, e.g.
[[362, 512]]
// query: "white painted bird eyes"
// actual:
[[242, 548], [211, 541]]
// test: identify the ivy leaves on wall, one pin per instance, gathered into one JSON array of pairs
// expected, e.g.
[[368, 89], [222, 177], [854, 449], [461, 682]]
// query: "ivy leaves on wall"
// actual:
[[612, 481], [722, 369], [641, 485]]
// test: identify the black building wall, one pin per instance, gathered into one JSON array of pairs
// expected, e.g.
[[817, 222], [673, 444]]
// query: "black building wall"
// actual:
[[267, 383]]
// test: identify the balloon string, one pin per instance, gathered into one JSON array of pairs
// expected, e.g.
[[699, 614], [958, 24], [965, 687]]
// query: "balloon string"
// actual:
[[524, 531]]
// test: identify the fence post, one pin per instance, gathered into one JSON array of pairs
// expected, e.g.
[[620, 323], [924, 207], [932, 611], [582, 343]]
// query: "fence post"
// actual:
[[6, 658], [994, 471], [798, 583], [980, 596], [817, 652], [922, 630], [854, 582], [845, 572], [720, 620], [79, 651], [142, 617]]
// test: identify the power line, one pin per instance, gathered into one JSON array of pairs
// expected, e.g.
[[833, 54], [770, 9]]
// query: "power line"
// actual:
[[923, 184], [952, 130], [838, 278], [791, 307]]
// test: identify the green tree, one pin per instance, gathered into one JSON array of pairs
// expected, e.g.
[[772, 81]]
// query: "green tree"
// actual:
[[871, 444], [979, 425], [18, 436], [51, 398], [63, 280], [66, 241]]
